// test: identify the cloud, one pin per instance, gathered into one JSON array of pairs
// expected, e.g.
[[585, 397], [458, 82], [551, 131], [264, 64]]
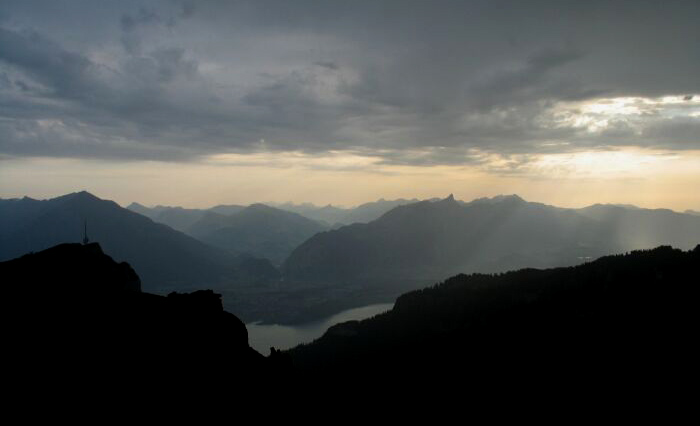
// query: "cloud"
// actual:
[[327, 64], [406, 82], [144, 16], [534, 79], [678, 133], [70, 75]]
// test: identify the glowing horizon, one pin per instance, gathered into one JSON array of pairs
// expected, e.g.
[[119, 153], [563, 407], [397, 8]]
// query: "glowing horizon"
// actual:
[[565, 180], [203, 103]]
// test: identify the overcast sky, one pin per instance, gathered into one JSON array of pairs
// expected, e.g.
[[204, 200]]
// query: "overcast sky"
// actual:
[[203, 102]]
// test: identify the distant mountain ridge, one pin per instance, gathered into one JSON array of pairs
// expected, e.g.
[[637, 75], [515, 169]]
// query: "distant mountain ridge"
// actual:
[[429, 240], [180, 218], [336, 216], [636, 228], [258, 229], [165, 258], [407, 247], [183, 219]]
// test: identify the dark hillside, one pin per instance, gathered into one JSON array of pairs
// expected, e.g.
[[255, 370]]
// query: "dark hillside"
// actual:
[[630, 314]]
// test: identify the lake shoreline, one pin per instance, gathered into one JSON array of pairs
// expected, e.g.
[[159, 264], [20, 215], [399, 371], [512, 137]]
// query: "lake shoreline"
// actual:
[[262, 337]]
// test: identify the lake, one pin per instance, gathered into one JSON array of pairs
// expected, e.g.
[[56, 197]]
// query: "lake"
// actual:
[[262, 337]]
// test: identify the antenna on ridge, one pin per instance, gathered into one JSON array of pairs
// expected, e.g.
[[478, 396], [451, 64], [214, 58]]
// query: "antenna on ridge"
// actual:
[[85, 237]]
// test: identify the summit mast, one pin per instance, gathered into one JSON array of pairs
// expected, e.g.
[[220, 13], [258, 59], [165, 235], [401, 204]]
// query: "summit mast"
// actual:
[[85, 237]]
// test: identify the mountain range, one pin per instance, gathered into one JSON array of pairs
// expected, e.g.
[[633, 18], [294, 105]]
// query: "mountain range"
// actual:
[[259, 230], [180, 218], [165, 258], [337, 216], [430, 240], [329, 270]]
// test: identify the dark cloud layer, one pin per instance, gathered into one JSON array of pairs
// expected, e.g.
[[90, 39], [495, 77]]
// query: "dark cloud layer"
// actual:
[[413, 82]]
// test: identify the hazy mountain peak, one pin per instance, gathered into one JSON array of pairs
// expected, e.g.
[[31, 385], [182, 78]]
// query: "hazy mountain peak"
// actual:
[[82, 196], [226, 209], [448, 201], [627, 206], [513, 198], [260, 206], [136, 205], [258, 229], [601, 205]]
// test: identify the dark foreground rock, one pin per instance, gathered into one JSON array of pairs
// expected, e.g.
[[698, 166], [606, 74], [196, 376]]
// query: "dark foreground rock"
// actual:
[[72, 313], [624, 321]]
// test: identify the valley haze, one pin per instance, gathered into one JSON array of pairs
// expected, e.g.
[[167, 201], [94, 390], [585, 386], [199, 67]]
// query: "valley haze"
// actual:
[[277, 266]]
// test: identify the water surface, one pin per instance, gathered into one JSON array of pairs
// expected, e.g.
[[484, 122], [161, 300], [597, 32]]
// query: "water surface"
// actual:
[[262, 337]]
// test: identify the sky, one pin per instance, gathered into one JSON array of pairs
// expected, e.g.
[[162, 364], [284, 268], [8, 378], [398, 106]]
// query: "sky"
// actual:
[[201, 103]]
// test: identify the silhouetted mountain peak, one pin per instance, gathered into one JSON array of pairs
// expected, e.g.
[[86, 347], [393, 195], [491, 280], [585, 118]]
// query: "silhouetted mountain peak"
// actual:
[[85, 200], [499, 199], [617, 207], [72, 267], [226, 209], [258, 229], [136, 205], [259, 210], [81, 198], [260, 207], [619, 210], [599, 206], [72, 307], [448, 202], [512, 198], [82, 195], [628, 206]]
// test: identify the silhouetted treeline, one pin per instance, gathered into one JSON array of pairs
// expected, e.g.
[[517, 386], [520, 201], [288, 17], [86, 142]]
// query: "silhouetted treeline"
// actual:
[[624, 317]]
